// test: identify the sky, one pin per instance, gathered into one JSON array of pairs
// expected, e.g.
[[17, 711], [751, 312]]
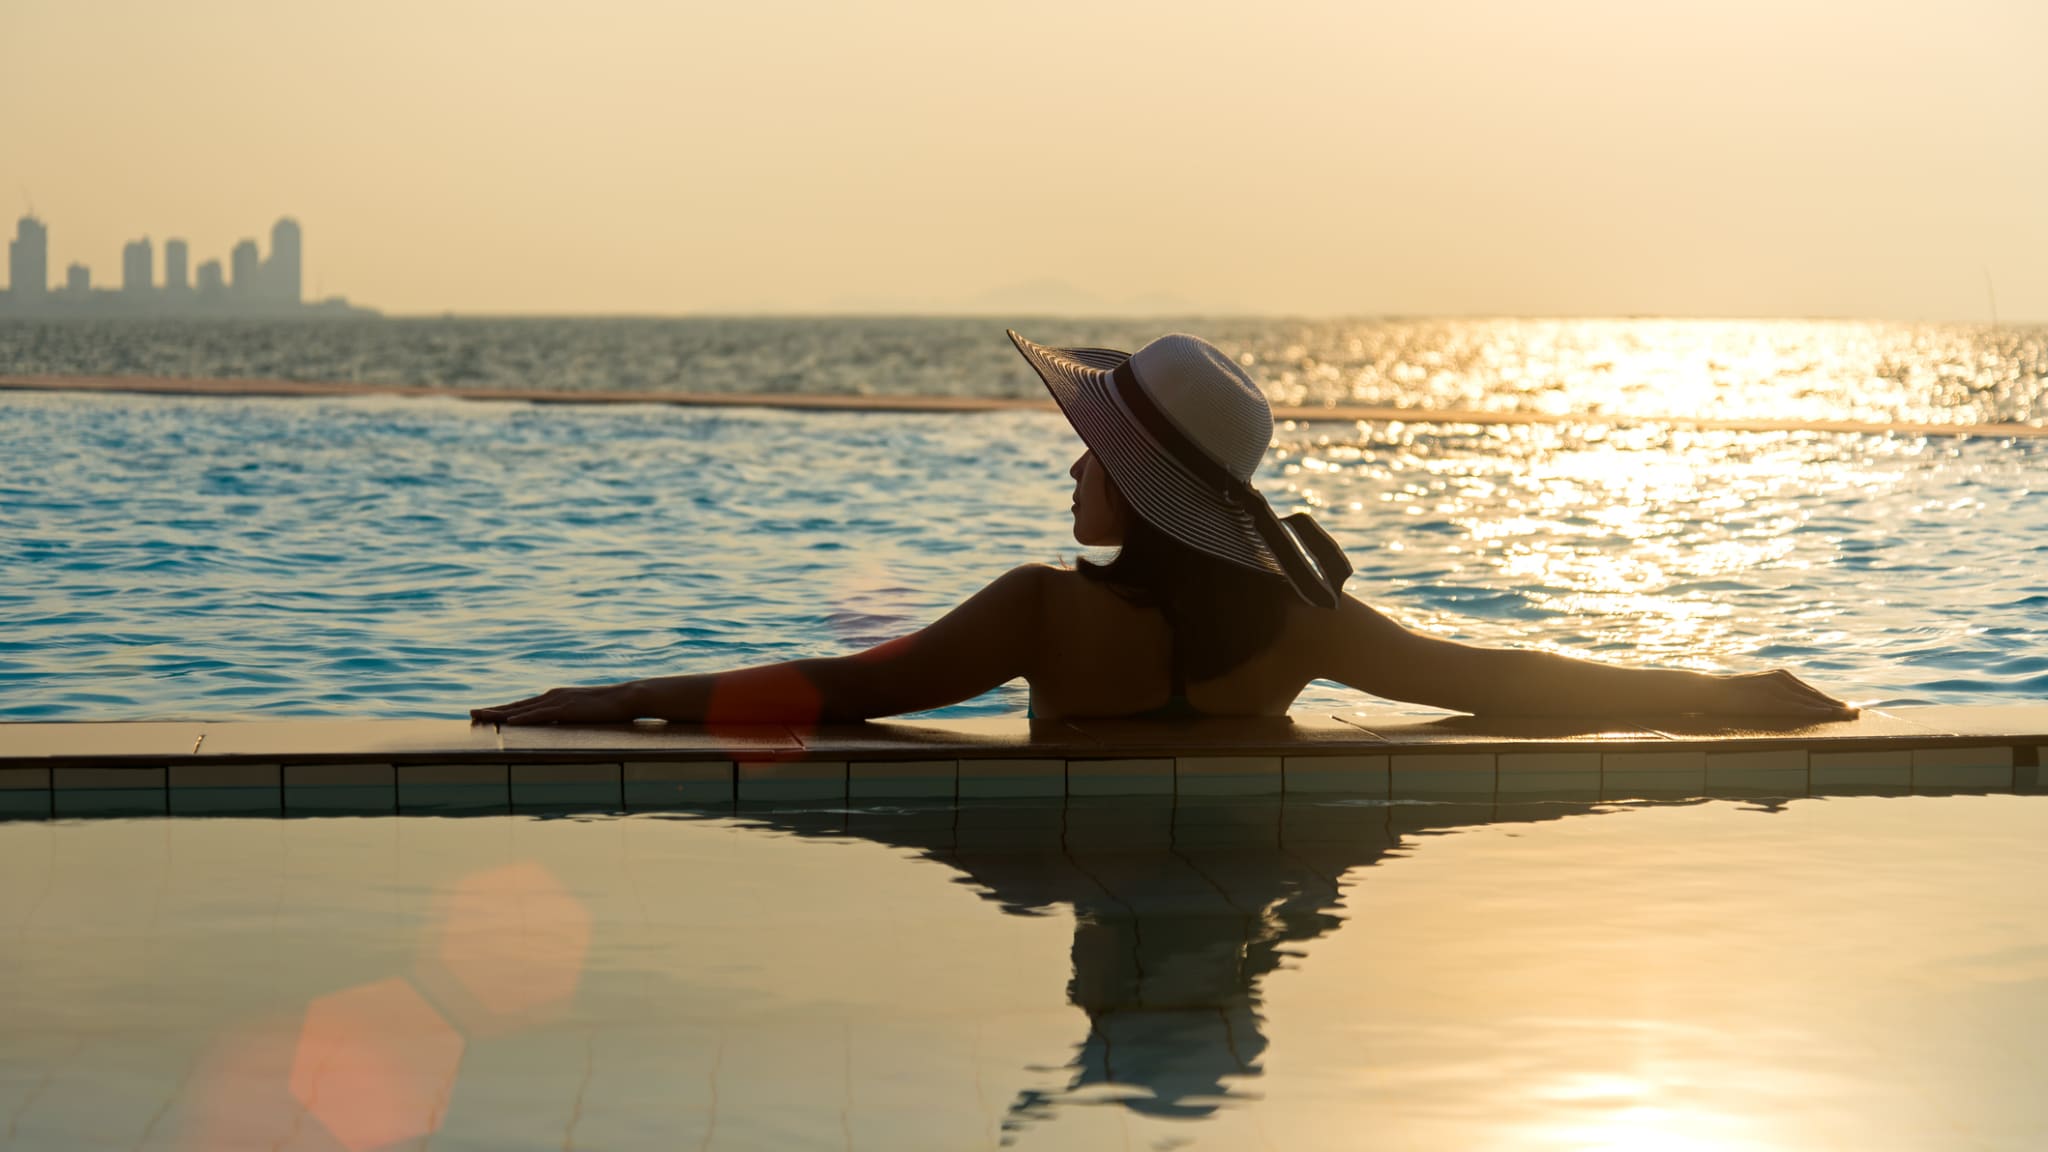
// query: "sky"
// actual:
[[1300, 157]]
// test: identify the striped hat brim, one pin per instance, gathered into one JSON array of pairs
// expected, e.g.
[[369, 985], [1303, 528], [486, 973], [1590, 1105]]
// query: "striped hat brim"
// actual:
[[1158, 488]]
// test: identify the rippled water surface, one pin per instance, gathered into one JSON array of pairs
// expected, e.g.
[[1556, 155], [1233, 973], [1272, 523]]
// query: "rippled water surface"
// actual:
[[166, 557], [1855, 973], [1753, 369]]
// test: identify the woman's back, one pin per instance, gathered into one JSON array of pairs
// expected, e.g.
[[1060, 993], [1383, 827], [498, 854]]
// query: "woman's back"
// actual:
[[1099, 654], [1175, 432]]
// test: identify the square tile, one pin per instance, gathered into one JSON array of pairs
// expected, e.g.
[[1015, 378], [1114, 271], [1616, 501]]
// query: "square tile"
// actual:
[[1146, 777], [1227, 822], [2028, 775], [1021, 778], [1872, 724], [341, 789], [582, 787], [109, 791], [99, 741], [1315, 821], [1653, 775], [1871, 773], [932, 738], [1119, 823], [1549, 775], [1457, 728], [1440, 816], [1758, 772], [1227, 776], [24, 804], [370, 740], [1341, 775], [1266, 735], [657, 784], [2029, 722], [908, 823], [801, 818], [1450, 775], [454, 788], [226, 789], [24, 792], [1030, 825], [1963, 769], [791, 781], [908, 779], [24, 779], [654, 741]]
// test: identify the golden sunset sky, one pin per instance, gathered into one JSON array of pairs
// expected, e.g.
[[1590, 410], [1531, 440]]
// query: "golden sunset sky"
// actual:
[[1322, 157]]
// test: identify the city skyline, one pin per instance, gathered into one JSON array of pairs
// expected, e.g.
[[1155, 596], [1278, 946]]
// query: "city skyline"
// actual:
[[249, 283], [1752, 158]]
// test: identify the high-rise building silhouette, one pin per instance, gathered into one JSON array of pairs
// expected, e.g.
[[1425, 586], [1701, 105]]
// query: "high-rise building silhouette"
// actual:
[[138, 266], [281, 273], [247, 283], [245, 270], [28, 261], [175, 279]]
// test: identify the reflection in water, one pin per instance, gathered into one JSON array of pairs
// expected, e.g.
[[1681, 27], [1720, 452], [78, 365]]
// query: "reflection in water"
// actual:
[[1171, 942], [1849, 972]]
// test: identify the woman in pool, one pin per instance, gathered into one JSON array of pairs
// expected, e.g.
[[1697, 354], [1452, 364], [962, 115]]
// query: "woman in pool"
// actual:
[[1214, 606]]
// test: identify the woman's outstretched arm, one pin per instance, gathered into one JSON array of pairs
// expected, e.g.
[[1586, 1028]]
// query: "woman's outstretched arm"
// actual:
[[988, 640], [1372, 653]]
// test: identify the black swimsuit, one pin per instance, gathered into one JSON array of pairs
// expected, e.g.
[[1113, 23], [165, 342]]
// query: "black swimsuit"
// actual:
[[1176, 707]]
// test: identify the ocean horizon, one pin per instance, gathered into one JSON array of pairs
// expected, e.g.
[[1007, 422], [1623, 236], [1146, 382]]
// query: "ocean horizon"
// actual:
[[1871, 371]]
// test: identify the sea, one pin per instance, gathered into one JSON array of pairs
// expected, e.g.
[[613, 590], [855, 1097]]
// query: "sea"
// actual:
[[212, 557]]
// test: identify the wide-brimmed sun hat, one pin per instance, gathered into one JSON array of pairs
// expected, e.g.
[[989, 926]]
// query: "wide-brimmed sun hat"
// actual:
[[1181, 429]]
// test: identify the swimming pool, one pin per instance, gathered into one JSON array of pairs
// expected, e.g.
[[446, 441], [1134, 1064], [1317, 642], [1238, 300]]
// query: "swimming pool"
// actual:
[[200, 557], [1850, 972], [1120, 962]]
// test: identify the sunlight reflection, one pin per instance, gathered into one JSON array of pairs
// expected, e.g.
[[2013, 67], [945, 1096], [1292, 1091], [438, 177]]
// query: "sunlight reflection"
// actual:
[[1674, 546], [1651, 1128]]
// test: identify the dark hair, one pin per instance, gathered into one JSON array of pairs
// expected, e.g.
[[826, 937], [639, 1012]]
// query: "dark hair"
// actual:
[[1220, 613]]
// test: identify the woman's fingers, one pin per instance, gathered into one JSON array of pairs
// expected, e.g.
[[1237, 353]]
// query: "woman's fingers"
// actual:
[[502, 712], [597, 705], [1784, 690]]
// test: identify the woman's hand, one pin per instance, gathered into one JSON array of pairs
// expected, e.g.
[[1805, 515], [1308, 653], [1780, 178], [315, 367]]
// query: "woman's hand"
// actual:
[[603, 704], [1777, 693]]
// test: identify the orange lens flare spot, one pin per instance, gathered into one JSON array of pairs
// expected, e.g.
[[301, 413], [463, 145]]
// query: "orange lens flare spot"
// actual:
[[375, 1064], [241, 1095], [515, 940]]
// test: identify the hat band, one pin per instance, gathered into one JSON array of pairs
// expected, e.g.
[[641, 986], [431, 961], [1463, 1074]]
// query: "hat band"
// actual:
[[1320, 583]]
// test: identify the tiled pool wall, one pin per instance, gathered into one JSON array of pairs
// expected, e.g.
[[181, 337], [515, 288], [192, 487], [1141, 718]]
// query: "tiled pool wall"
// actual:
[[1213, 775]]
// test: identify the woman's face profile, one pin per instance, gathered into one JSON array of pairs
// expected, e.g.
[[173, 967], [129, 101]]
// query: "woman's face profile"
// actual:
[[1098, 509]]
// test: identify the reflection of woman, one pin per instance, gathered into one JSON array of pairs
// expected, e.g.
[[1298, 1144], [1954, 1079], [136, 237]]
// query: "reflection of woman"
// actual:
[[1171, 983], [1213, 606], [1172, 947]]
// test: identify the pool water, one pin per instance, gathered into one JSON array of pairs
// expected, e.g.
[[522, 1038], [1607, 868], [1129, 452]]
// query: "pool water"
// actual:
[[213, 558], [1856, 972]]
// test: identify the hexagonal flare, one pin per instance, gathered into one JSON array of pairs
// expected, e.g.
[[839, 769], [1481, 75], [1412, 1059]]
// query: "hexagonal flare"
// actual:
[[375, 1064], [240, 1095], [514, 940]]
